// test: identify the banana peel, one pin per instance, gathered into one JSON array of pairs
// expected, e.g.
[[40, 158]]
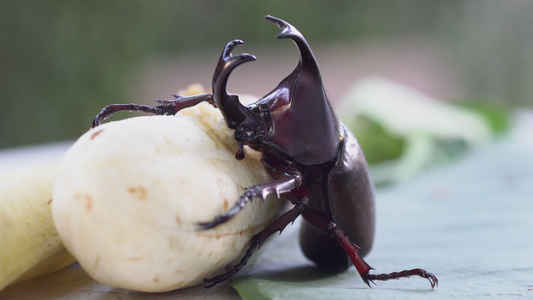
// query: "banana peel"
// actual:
[[30, 245]]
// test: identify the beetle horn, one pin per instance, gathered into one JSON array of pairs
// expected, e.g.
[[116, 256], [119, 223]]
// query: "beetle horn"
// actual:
[[300, 95], [289, 31], [233, 111], [307, 59]]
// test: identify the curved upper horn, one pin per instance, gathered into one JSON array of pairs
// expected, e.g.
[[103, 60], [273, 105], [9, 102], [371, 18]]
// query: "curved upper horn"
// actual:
[[304, 123]]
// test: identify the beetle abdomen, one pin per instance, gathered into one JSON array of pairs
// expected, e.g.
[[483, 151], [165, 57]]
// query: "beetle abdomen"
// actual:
[[324, 251]]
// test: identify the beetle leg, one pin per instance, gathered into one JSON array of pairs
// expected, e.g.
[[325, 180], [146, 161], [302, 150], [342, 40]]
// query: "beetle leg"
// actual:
[[352, 250], [277, 187], [257, 240], [363, 268], [165, 107], [112, 109], [433, 280], [322, 222], [287, 179]]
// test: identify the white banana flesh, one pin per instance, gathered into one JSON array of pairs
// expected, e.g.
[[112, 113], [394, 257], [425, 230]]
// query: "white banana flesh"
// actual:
[[29, 243], [130, 194]]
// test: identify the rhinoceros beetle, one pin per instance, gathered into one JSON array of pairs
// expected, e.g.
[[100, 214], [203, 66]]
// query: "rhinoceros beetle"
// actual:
[[314, 160]]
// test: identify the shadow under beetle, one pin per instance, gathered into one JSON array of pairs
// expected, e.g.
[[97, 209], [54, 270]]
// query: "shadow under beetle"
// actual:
[[315, 162]]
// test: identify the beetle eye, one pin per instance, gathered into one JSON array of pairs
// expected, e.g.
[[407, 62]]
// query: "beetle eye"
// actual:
[[249, 132]]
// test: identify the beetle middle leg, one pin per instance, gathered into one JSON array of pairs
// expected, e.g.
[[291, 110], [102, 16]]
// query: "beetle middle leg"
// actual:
[[257, 240]]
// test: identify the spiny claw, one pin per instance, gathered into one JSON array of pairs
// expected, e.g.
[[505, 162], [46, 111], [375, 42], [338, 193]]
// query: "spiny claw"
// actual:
[[205, 225], [217, 221], [366, 280], [433, 280]]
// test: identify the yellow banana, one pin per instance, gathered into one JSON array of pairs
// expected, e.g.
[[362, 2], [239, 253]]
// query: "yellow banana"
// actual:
[[29, 243]]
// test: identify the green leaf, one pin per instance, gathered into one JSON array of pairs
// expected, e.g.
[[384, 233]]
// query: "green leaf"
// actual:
[[377, 143], [497, 116], [403, 132]]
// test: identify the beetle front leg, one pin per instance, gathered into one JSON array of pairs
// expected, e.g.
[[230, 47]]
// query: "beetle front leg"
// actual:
[[257, 240], [165, 107], [287, 179], [277, 187], [112, 109]]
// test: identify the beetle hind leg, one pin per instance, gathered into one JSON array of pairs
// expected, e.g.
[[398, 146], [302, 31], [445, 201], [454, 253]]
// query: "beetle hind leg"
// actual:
[[257, 240], [433, 280], [363, 268]]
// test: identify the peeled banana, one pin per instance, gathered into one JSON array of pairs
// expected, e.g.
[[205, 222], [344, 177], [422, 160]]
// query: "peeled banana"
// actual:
[[29, 243], [130, 193]]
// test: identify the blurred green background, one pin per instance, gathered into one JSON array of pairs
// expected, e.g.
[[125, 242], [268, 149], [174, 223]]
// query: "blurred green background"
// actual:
[[62, 61]]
